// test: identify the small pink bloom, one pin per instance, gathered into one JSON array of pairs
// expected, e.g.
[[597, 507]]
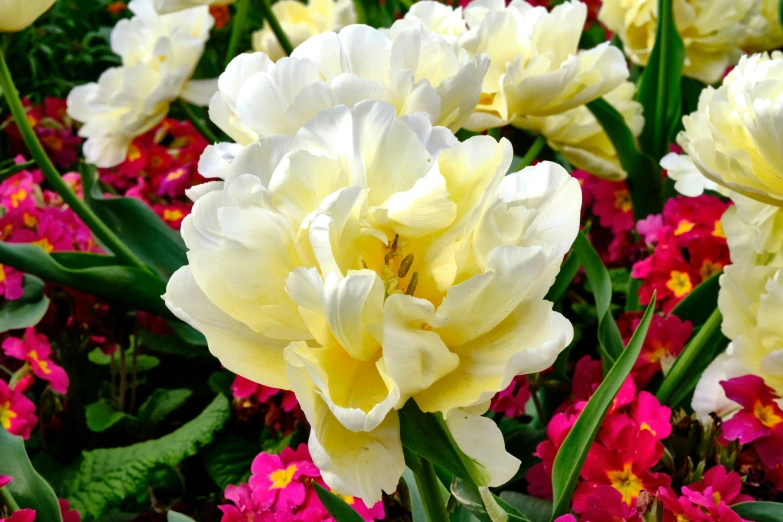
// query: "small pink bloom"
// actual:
[[277, 479], [511, 401], [17, 412], [715, 488], [23, 515], [679, 509], [5, 480], [651, 416], [69, 515], [650, 227], [35, 350], [11, 283]]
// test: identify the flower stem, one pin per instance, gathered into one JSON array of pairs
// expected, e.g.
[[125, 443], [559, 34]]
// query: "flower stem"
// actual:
[[14, 169], [429, 489], [197, 122], [98, 227], [237, 28], [534, 150], [9, 500], [270, 17]]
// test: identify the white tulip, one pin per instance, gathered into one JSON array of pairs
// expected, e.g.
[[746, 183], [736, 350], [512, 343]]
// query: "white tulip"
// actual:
[[16, 15]]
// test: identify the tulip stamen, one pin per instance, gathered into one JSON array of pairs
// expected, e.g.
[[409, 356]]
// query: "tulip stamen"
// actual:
[[405, 266], [412, 285]]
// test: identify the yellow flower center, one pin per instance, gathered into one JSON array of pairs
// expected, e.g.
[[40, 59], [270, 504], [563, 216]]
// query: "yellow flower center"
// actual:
[[17, 197], [172, 214], [708, 269], [622, 200], [680, 283], [2, 274], [282, 477], [133, 153], [647, 427], [766, 414], [684, 227], [624, 481], [716, 498], [29, 220], [176, 174], [718, 230], [45, 244], [43, 365], [6, 415]]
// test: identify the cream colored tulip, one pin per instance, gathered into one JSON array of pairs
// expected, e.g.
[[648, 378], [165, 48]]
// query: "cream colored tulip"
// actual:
[[536, 67], [159, 54], [369, 259], [713, 32], [416, 71], [734, 136], [301, 21], [770, 36], [578, 136], [16, 15]]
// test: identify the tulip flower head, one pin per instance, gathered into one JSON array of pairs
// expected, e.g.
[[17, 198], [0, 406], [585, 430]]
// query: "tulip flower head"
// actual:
[[16, 15], [368, 259]]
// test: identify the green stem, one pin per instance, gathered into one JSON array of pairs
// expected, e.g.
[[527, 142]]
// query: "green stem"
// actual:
[[534, 150], [9, 500], [197, 122], [429, 489], [98, 227], [693, 352], [270, 17], [237, 28]]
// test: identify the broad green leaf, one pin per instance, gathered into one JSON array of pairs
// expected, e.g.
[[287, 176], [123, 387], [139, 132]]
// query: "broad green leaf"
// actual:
[[426, 435], [28, 309], [102, 415], [106, 477], [535, 509], [659, 90], [336, 506], [609, 338], [173, 516], [521, 442], [187, 333], [228, 460], [28, 488], [137, 225], [159, 405], [760, 511], [644, 175], [128, 286], [697, 306], [572, 454], [469, 496], [567, 273], [414, 501], [694, 359]]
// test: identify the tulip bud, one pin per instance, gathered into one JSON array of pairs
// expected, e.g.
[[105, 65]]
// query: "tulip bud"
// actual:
[[16, 15]]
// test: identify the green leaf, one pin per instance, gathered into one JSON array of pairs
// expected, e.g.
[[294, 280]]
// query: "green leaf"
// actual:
[[171, 344], [228, 460], [535, 509], [760, 511], [469, 496], [694, 359], [159, 405], [106, 477], [697, 306], [187, 333], [102, 415], [572, 454], [173, 516], [28, 309], [137, 225], [143, 362], [609, 338], [644, 175], [415, 503], [337, 507], [659, 90], [129, 286], [567, 273], [426, 435], [28, 488]]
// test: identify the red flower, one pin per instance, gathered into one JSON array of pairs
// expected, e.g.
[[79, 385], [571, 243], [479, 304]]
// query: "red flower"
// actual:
[[613, 205], [511, 401], [698, 218], [625, 467], [22, 515], [760, 421], [679, 509], [35, 351], [667, 273], [606, 505], [665, 340], [17, 412], [715, 488]]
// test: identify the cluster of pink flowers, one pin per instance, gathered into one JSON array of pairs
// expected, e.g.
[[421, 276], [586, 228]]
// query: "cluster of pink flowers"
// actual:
[[687, 245], [627, 448], [280, 489], [28, 515], [160, 165], [33, 357], [511, 401], [54, 129]]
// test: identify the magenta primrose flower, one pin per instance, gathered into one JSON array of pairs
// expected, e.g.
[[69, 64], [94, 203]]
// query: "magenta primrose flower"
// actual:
[[17, 412], [277, 479], [35, 350]]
